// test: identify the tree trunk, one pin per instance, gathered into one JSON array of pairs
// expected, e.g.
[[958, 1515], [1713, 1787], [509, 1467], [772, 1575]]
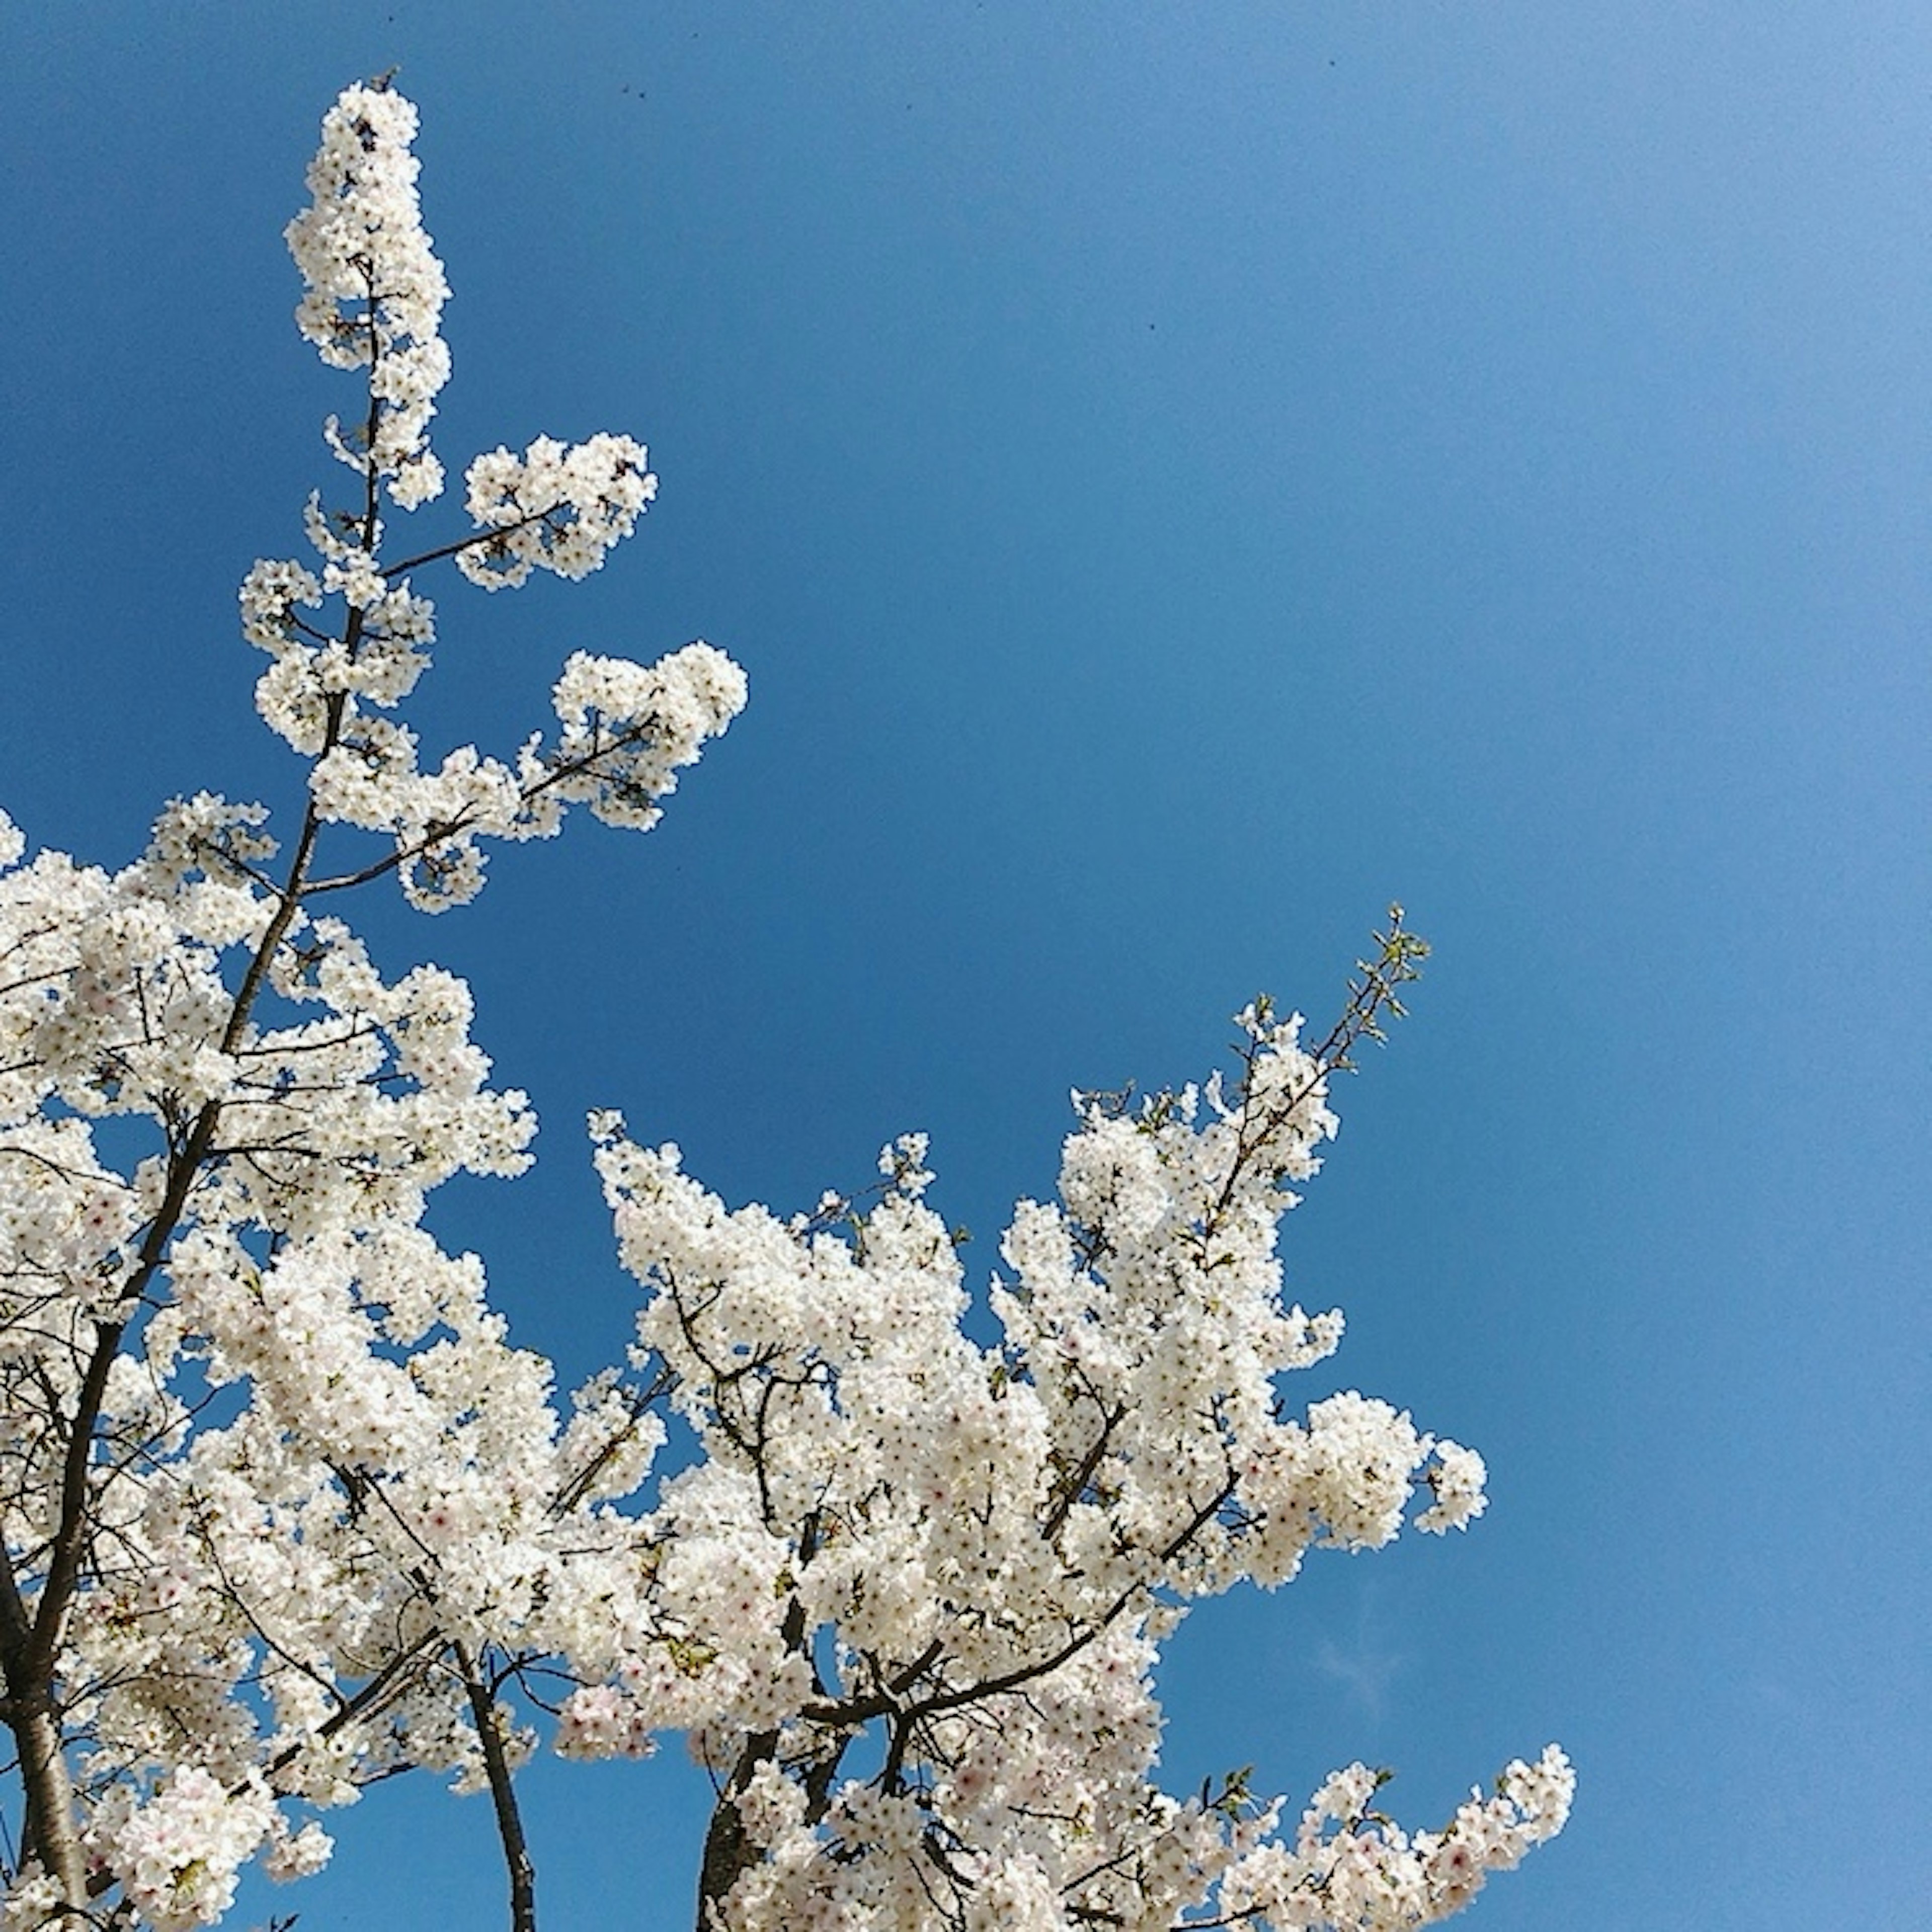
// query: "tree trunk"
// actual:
[[728, 1852], [48, 1834]]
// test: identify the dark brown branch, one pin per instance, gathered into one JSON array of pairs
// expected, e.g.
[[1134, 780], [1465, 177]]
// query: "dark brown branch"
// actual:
[[503, 1796], [391, 571], [729, 1851], [1077, 1479], [436, 834]]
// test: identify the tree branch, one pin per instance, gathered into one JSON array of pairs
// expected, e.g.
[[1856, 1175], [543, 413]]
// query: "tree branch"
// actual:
[[502, 1795]]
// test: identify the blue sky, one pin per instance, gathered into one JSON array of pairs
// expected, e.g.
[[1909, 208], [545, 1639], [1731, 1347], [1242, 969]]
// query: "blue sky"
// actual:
[[1178, 477]]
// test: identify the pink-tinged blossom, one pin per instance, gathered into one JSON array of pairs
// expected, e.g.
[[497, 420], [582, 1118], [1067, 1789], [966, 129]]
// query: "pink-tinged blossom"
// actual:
[[180, 1854]]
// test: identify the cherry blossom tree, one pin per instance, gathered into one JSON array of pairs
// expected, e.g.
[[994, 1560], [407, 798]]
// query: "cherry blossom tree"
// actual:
[[285, 1512]]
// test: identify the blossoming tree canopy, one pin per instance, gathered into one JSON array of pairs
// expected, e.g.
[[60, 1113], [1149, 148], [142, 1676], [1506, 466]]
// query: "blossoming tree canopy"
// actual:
[[284, 1510]]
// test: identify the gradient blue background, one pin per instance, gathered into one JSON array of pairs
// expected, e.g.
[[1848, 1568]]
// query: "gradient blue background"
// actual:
[[1178, 477]]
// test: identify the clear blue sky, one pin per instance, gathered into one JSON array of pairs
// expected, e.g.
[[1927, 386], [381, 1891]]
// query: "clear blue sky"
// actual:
[[1178, 477]]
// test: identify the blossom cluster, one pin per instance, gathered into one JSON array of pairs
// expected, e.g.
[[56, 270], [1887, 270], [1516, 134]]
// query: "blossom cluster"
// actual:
[[282, 1510], [270, 1619], [323, 1495], [977, 1550], [376, 290], [376, 295], [1348, 1866], [554, 508]]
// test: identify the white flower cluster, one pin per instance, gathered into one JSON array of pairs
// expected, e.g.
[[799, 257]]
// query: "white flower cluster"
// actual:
[[1349, 1866], [219, 1126], [376, 295], [627, 731], [33, 1900], [180, 1854], [555, 507], [396, 1479], [970, 1555], [376, 290], [316, 682], [285, 1512]]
